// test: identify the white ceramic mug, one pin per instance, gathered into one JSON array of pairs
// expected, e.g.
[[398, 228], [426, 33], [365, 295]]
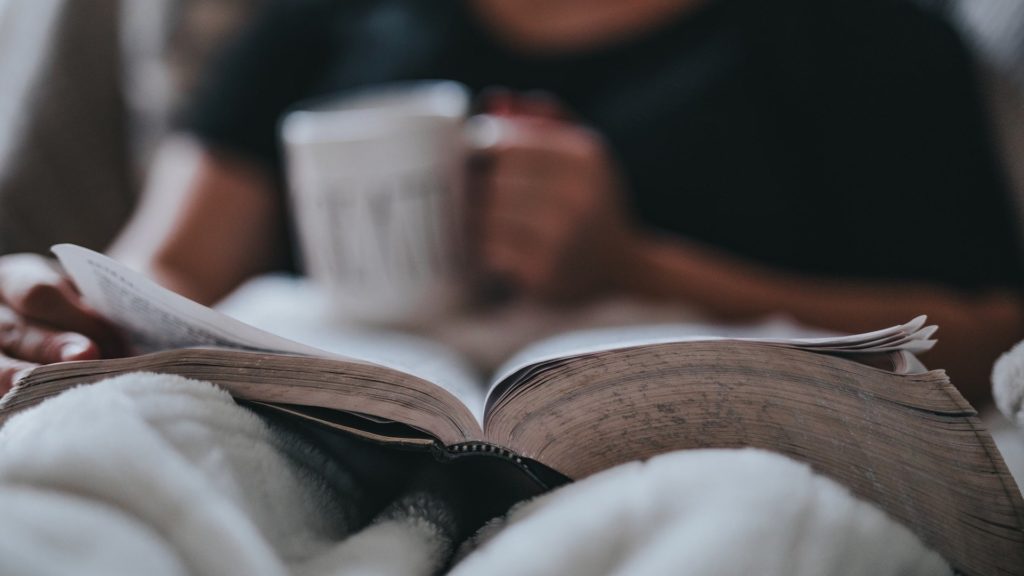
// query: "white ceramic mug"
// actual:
[[376, 182]]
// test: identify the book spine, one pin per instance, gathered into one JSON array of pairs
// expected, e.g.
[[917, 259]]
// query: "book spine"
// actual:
[[538, 473], [484, 448]]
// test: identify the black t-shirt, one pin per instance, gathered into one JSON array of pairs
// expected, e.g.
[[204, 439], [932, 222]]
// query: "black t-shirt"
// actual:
[[832, 137]]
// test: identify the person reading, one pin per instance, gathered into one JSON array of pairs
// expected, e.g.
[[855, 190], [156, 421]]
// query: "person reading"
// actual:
[[745, 157]]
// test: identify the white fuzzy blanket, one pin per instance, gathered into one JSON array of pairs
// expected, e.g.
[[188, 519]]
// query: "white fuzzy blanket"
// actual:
[[157, 475]]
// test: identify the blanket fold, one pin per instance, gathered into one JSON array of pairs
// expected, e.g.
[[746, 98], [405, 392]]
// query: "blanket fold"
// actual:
[[161, 475]]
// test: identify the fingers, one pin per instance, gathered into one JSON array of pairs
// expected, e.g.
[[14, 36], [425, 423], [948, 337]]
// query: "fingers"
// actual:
[[525, 224], [521, 251], [34, 288], [33, 343], [517, 224], [540, 185], [24, 345]]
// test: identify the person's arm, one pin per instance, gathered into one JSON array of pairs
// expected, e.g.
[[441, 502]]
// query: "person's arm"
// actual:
[[974, 328], [206, 224]]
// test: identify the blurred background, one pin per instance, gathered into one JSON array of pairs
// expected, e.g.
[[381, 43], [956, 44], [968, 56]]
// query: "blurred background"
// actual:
[[88, 87]]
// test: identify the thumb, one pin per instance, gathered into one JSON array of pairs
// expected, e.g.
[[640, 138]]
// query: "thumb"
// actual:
[[72, 346], [44, 346]]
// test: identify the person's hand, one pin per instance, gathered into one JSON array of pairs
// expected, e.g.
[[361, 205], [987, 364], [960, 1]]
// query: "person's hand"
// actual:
[[549, 213], [43, 319]]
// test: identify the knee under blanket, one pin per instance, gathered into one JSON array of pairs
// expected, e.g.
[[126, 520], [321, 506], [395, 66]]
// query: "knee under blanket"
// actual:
[[160, 475]]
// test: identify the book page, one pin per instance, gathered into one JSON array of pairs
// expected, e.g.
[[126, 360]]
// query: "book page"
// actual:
[[293, 308], [912, 337], [407, 353], [155, 318]]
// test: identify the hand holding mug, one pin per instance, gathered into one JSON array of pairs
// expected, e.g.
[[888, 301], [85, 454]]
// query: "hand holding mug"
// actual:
[[549, 214]]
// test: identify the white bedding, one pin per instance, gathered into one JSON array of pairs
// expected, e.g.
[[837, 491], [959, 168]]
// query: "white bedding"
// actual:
[[159, 475]]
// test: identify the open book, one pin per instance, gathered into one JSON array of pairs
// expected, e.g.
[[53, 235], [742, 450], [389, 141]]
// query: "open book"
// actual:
[[860, 409]]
